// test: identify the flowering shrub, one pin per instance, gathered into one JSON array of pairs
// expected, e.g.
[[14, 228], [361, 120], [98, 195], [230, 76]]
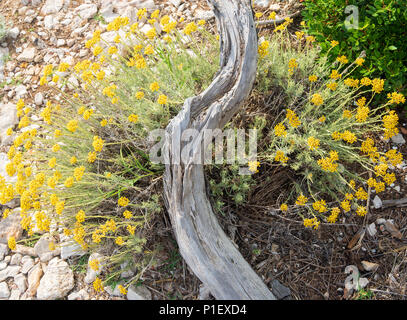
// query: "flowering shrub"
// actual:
[[324, 131], [85, 170]]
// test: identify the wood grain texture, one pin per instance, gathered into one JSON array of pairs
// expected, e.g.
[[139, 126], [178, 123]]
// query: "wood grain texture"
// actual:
[[207, 250]]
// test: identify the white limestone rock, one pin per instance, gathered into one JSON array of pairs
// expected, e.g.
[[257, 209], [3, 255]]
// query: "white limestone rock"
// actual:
[[27, 55], [138, 293], [377, 202], [57, 281], [52, 6]]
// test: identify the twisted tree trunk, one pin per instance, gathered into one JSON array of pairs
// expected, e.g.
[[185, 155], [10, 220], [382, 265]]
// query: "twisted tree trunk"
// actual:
[[202, 243]]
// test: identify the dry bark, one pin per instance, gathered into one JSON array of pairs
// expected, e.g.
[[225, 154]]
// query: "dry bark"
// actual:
[[211, 255]]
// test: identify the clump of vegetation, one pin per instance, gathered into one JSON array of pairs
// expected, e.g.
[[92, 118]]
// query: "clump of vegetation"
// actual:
[[380, 30], [323, 129], [86, 170]]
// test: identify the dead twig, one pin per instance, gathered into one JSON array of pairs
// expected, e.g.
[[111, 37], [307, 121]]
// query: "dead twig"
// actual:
[[277, 21]]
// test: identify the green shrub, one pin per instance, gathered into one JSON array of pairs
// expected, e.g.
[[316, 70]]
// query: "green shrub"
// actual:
[[382, 34]]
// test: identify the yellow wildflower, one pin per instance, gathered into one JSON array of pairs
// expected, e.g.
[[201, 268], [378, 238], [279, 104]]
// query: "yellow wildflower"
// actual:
[[377, 85], [162, 99], [72, 125], [133, 118], [97, 285], [342, 59], [91, 157], [313, 143], [122, 289], [280, 156], [11, 243], [301, 200], [127, 214], [253, 165], [123, 201], [317, 99], [119, 241], [280, 130]]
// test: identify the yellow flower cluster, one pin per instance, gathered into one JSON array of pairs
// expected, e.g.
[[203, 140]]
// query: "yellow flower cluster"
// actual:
[[377, 85], [284, 25], [313, 143], [394, 157], [396, 98], [334, 43], [80, 216], [359, 61], [97, 285], [342, 59], [361, 211], [365, 81], [72, 125], [263, 48], [293, 118], [312, 223], [390, 122], [348, 136], [162, 99], [123, 201], [301, 200], [299, 34], [345, 204], [284, 207], [119, 22], [332, 85], [361, 194], [292, 64], [369, 148], [190, 27], [317, 99], [11, 243], [333, 217], [97, 143], [378, 185], [253, 165], [280, 130], [94, 264], [320, 206], [281, 157], [133, 118], [329, 164], [353, 83], [335, 75], [79, 172]]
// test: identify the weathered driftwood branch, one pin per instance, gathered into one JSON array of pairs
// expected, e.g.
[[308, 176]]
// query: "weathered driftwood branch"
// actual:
[[205, 247], [395, 203]]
